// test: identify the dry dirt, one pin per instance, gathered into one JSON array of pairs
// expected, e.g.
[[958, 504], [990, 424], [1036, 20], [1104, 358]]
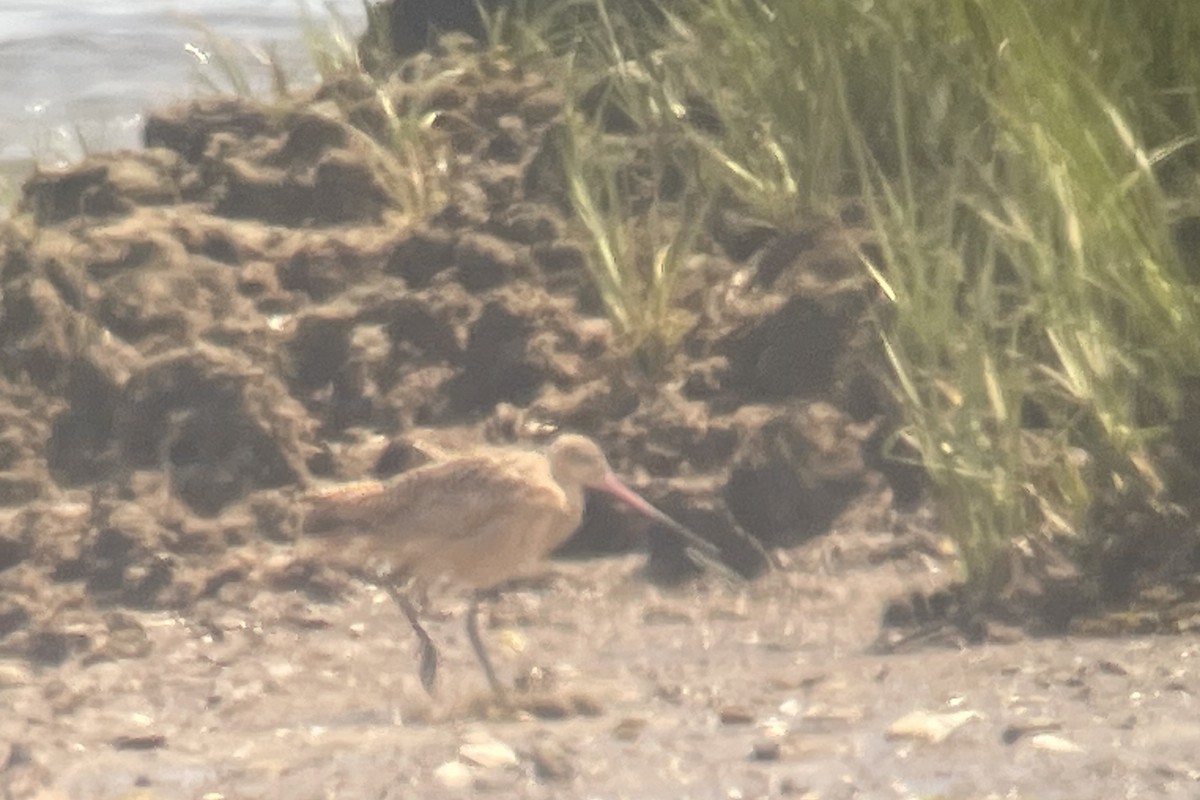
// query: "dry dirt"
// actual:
[[193, 334]]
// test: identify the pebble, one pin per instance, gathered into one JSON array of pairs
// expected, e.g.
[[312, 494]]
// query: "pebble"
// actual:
[[766, 750], [930, 727], [1017, 730], [792, 787], [552, 762], [587, 706], [488, 754], [736, 715], [149, 741], [549, 706], [12, 675], [791, 707], [666, 615], [824, 716], [629, 728], [1053, 744], [454, 775]]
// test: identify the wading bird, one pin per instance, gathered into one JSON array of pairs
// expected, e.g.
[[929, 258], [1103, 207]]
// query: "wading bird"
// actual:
[[480, 520]]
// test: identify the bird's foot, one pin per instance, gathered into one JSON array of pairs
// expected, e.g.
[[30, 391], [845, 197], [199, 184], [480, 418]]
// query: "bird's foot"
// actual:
[[429, 667]]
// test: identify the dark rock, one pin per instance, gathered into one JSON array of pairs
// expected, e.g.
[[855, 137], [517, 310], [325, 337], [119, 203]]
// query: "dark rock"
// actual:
[[13, 551], [561, 257], [221, 427], [145, 583], [19, 488], [551, 762], [782, 255], [399, 456], [587, 407], [421, 255], [795, 471], [485, 262], [54, 196], [426, 322], [308, 137], [322, 269], [13, 617], [790, 353], [706, 378], [464, 136], [144, 741], [253, 191], [766, 750], [219, 246], [52, 648], [347, 189], [499, 363], [501, 183], [318, 350], [736, 715], [498, 100], [543, 106], [189, 128]]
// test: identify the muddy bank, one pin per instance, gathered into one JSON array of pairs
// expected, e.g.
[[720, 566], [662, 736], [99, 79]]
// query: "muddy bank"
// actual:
[[766, 690], [260, 301]]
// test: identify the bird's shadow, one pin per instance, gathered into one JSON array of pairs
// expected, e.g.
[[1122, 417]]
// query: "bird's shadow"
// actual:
[[609, 529]]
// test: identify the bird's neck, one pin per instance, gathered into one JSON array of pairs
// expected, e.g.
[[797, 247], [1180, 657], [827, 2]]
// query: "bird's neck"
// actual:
[[576, 500]]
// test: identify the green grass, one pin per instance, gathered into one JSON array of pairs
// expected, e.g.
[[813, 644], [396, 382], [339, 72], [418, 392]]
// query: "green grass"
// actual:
[[640, 238], [219, 63], [1031, 271], [331, 43], [1020, 164]]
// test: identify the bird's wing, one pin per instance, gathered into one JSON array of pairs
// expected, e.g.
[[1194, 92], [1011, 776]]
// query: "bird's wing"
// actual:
[[454, 498], [343, 505]]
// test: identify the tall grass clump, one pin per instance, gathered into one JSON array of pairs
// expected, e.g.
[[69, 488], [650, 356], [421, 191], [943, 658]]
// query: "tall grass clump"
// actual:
[[399, 122], [633, 181], [640, 238], [1011, 157], [1021, 164], [1042, 321]]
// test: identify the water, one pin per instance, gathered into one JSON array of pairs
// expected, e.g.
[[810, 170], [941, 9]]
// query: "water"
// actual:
[[78, 77]]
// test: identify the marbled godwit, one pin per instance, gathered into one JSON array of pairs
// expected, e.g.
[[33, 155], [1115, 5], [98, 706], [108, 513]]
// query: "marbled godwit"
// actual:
[[480, 520]]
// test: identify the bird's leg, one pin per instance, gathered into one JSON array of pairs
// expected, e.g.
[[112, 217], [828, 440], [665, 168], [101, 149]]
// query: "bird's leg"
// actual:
[[429, 653], [477, 640]]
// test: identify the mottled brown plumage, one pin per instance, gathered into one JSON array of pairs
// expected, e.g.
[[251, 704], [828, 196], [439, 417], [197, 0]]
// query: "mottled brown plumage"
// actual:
[[480, 520]]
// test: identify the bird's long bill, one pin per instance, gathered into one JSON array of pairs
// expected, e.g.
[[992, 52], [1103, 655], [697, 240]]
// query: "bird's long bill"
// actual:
[[612, 485]]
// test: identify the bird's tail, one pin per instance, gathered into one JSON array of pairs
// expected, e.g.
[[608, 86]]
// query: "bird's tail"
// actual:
[[332, 509]]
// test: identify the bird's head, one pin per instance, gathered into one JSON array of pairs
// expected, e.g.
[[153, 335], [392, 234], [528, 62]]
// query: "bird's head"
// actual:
[[577, 460]]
